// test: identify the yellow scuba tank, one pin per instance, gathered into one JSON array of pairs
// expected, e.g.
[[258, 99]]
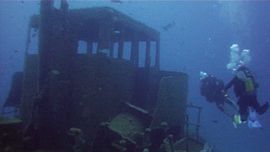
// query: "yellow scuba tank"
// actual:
[[249, 85], [246, 76]]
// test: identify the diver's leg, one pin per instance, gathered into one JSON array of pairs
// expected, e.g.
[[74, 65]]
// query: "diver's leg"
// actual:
[[255, 104], [243, 108], [263, 108]]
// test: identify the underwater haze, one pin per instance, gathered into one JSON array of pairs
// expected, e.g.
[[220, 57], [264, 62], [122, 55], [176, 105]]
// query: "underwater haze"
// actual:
[[194, 36]]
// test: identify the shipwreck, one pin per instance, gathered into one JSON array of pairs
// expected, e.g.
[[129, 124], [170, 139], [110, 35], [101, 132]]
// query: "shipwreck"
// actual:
[[94, 84]]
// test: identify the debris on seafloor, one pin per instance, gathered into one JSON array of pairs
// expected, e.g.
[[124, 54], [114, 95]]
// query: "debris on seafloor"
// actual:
[[78, 138], [6, 121], [55, 72], [207, 148], [75, 131]]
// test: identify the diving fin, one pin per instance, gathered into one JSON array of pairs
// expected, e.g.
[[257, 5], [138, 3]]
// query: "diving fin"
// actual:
[[254, 124], [253, 121], [237, 120], [263, 109]]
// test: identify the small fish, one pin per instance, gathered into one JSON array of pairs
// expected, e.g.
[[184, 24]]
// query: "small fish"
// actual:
[[117, 1], [16, 51], [169, 26], [55, 72], [215, 121], [34, 34], [116, 32]]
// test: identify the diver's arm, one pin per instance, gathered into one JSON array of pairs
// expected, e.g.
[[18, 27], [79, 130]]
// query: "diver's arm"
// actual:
[[229, 85]]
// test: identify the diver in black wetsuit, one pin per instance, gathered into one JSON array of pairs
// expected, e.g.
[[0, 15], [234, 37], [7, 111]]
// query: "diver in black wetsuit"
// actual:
[[245, 89], [212, 89]]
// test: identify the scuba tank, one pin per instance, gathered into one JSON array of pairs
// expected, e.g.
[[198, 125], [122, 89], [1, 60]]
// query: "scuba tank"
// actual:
[[249, 85], [245, 75]]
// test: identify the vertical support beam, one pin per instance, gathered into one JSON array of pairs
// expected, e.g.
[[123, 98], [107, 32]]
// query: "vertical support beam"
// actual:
[[198, 123], [100, 42], [97, 49], [28, 39], [64, 6], [111, 49], [121, 44], [104, 37], [56, 52], [111, 37], [45, 40], [157, 58], [187, 133], [135, 52], [120, 49], [131, 57], [46, 51], [110, 40], [147, 54], [90, 48]]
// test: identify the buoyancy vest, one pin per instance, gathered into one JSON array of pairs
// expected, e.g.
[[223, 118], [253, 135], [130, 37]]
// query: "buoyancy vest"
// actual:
[[249, 85], [247, 78]]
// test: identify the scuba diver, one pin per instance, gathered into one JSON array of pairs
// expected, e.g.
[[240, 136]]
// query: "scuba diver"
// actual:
[[245, 89], [213, 91]]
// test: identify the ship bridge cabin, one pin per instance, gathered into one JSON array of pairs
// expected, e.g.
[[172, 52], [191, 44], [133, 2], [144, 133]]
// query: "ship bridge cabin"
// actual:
[[84, 67], [116, 34]]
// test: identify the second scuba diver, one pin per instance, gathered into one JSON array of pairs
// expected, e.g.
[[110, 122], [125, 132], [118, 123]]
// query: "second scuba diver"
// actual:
[[245, 89], [212, 89]]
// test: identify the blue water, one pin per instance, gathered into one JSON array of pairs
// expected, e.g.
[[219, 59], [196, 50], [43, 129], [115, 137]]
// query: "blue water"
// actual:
[[198, 38]]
